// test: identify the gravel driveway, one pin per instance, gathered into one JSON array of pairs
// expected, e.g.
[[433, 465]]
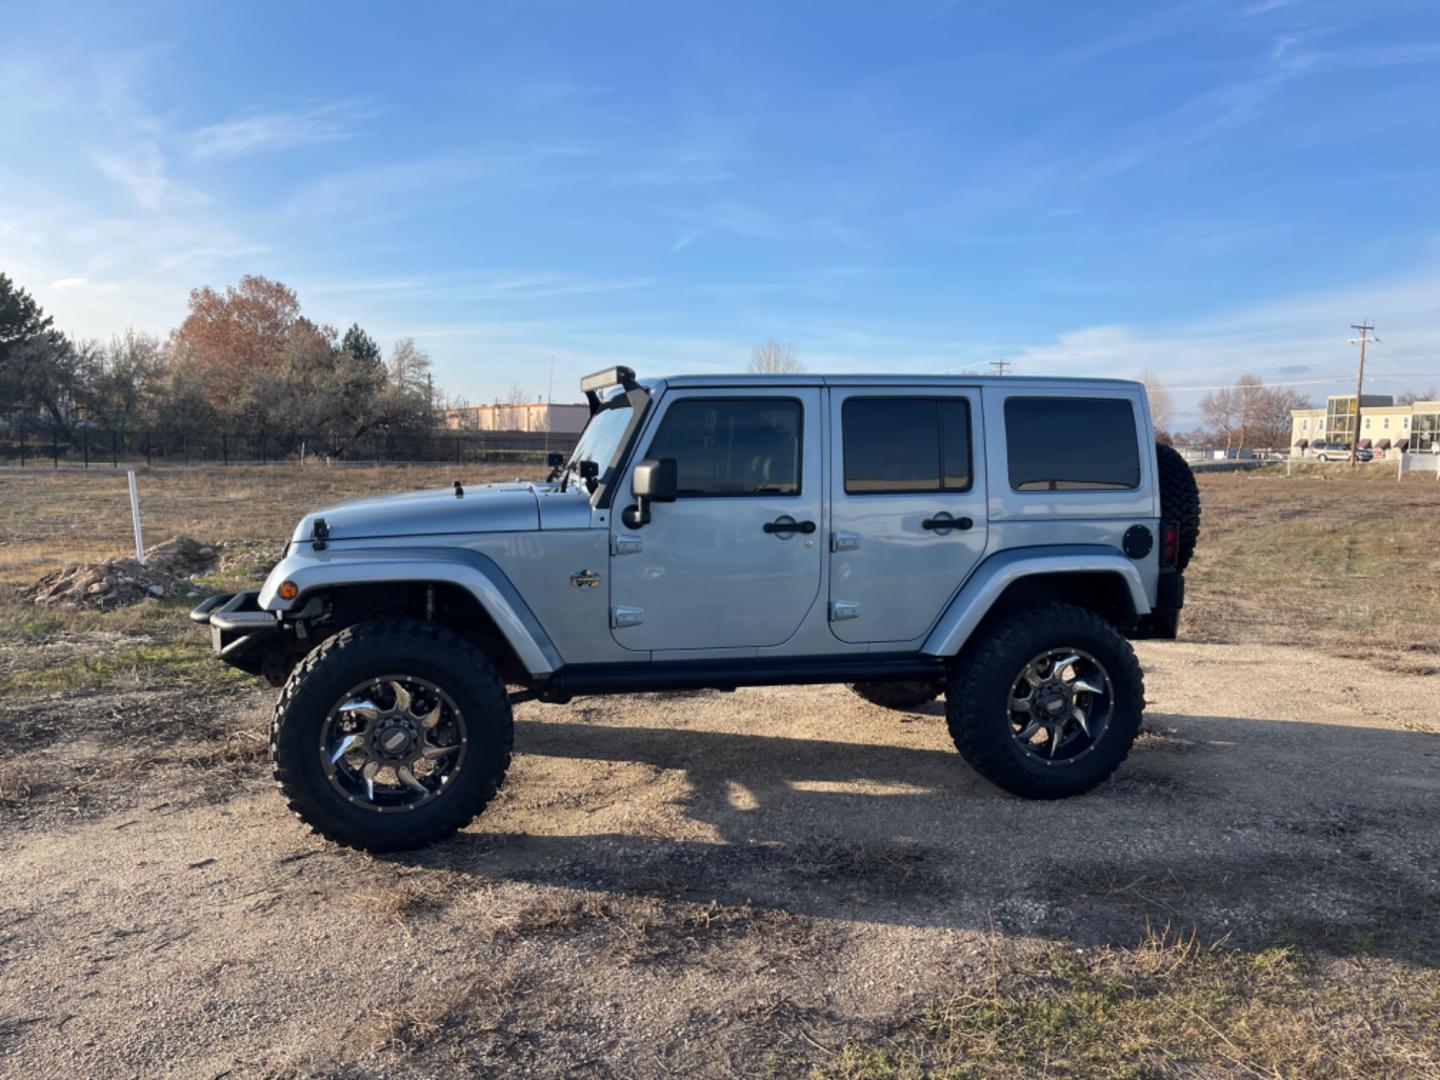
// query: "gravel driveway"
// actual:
[[714, 883]]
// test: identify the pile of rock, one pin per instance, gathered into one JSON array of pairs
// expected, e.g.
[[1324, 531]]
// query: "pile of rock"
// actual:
[[115, 583]]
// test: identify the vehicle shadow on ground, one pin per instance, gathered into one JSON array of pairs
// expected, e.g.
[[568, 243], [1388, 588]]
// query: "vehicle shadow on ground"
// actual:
[[1248, 829]]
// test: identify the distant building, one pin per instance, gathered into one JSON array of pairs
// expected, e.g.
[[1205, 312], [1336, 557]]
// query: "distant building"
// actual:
[[537, 416], [1382, 422]]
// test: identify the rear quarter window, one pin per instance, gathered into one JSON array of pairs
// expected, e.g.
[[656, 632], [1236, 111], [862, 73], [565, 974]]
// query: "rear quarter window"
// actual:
[[1071, 444]]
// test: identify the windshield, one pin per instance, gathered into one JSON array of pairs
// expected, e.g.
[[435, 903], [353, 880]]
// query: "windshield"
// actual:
[[601, 437]]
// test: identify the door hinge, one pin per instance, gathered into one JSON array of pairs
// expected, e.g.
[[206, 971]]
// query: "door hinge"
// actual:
[[840, 610], [844, 541], [625, 545], [626, 616]]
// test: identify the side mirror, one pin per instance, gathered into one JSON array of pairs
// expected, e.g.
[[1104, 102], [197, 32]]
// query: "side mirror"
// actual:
[[554, 460], [656, 480]]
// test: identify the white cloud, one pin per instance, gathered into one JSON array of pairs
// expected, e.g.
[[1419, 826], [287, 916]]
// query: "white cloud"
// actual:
[[1275, 340], [1264, 7], [386, 188], [141, 170], [268, 131], [70, 283]]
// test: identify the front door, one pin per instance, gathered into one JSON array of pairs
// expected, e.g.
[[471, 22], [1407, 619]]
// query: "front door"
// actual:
[[907, 507], [735, 560]]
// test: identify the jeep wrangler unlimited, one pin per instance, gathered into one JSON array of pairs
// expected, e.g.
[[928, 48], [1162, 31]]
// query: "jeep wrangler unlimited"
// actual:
[[994, 540]]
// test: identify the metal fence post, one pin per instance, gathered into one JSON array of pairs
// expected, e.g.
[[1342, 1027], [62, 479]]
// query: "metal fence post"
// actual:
[[262, 447], [147, 449], [55, 447], [85, 441], [185, 446], [225, 447], [114, 449], [22, 447]]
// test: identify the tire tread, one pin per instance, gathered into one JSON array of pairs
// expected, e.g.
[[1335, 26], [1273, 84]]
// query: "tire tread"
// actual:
[[990, 756], [436, 640]]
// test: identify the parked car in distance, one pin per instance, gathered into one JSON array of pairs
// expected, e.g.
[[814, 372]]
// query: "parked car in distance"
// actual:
[[908, 536], [1326, 450]]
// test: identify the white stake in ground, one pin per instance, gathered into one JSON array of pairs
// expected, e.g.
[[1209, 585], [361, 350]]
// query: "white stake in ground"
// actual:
[[135, 516]]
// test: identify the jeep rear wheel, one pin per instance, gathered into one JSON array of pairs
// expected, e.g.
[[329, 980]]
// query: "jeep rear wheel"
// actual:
[[391, 735], [1049, 704], [901, 696]]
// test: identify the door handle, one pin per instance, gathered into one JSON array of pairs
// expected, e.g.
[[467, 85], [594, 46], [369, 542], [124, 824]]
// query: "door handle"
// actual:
[[938, 523], [788, 526]]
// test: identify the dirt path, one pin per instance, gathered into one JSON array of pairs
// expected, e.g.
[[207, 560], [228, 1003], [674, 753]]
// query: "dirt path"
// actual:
[[717, 883]]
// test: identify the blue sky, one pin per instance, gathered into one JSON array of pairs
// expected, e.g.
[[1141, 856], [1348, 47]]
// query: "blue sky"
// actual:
[[1205, 189]]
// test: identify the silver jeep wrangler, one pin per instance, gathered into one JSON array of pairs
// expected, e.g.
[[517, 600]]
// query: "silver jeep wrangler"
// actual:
[[994, 540]]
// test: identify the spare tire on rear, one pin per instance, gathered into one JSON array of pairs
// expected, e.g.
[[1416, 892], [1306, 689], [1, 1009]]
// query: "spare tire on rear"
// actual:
[[1179, 499]]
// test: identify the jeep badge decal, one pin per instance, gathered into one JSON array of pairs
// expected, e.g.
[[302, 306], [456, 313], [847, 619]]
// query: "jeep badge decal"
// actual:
[[585, 579]]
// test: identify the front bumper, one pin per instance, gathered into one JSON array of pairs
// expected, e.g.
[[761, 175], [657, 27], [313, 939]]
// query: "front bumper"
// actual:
[[242, 634]]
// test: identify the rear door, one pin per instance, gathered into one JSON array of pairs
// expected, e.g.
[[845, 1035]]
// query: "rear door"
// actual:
[[735, 560], [907, 507]]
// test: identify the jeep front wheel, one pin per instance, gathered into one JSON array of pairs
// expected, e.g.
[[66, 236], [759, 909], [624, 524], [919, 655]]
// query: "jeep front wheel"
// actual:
[[1050, 702], [391, 735], [900, 696]]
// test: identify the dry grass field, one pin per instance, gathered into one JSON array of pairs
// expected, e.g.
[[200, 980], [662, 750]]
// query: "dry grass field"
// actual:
[[771, 882]]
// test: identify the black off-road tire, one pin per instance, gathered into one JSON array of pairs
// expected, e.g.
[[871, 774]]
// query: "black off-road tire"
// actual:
[[976, 702], [900, 696], [1179, 499], [368, 650]]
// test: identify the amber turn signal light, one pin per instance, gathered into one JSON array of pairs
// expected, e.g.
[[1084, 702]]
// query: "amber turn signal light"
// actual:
[[289, 590]]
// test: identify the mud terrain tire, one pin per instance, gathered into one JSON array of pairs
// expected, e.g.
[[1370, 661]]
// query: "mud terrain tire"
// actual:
[[978, 701], [370, 651], [1179, 499]]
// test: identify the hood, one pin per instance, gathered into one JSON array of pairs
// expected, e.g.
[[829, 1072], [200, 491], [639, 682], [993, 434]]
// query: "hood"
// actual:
[[507, 507]]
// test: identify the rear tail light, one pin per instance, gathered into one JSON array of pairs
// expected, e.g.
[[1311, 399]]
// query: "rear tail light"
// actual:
[[1169, 543]]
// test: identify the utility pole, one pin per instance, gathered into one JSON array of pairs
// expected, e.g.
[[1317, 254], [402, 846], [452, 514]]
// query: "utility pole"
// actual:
[[549, 407], [1362, 340], [1000, 366]]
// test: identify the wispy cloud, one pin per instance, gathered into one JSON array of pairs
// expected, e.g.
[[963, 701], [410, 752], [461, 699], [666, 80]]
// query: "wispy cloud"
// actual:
[[1300, 339], [383, 187], [141, 169], [1264, 7], [260, 132]]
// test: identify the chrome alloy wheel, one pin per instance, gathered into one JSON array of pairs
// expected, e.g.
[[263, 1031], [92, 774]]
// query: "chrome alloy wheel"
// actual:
[[1060, 705], [393, 743]]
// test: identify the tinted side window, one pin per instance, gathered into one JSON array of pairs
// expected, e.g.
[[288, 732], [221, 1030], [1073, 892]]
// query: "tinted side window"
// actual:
[[906, 444], [1060, 444], [733, 446]]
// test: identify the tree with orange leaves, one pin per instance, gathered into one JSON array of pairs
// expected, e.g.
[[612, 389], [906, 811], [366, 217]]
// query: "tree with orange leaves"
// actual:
[[231, 338]]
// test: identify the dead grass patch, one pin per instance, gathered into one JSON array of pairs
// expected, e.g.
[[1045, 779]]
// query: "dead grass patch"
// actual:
[[1169, 1007], [1351, 564]]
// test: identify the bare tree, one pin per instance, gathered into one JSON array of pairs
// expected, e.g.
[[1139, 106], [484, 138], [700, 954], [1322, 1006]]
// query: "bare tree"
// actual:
[[1251, 413], [1410, 397], [515, 395], [774, 358], [409, 366], [1249, 393], [1221, 412], [1161, 408], [1270, 423]]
